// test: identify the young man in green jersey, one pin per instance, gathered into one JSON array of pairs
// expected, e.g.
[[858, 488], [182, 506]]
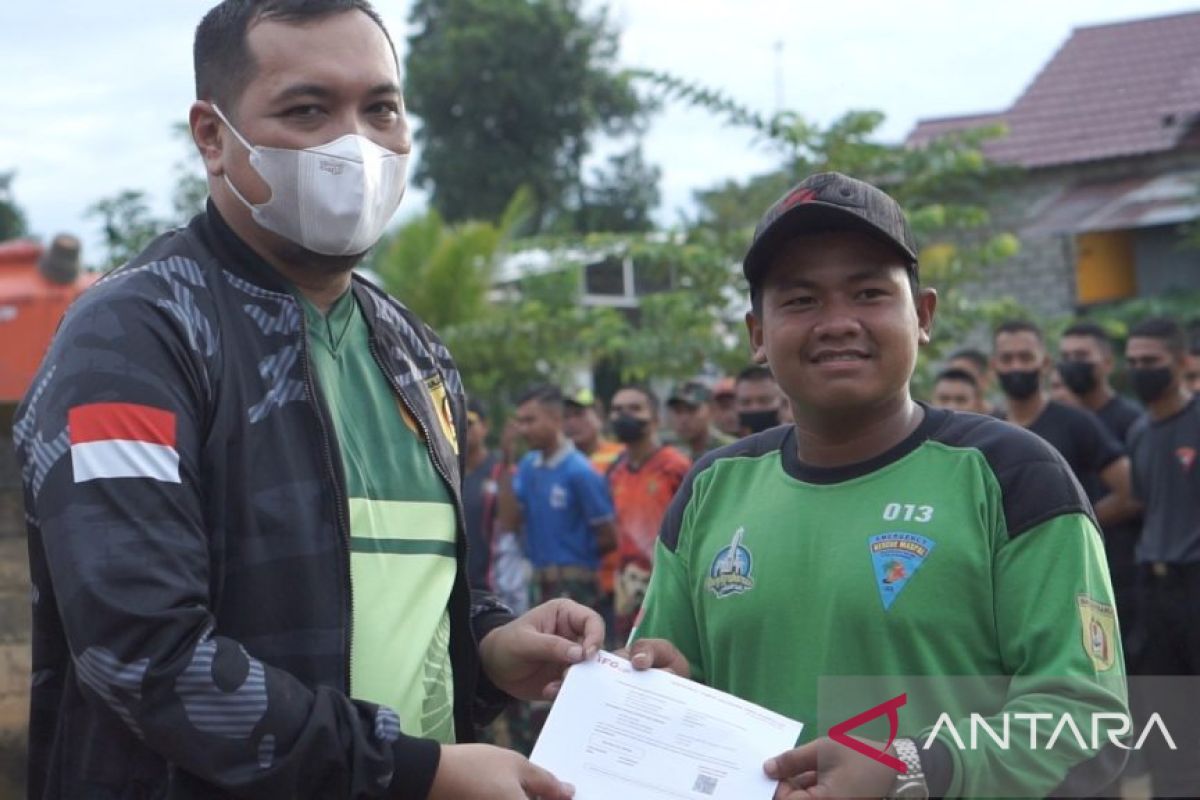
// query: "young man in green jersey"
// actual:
[[880, 537]]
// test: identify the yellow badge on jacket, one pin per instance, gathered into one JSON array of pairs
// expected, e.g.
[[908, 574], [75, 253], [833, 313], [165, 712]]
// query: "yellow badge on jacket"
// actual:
[[440, 399]]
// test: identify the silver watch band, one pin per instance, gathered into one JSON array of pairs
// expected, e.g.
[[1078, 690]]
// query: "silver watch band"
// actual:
[[912, 783]]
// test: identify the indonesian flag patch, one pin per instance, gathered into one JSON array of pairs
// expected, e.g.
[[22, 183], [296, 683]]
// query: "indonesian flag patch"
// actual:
[[123, 440]]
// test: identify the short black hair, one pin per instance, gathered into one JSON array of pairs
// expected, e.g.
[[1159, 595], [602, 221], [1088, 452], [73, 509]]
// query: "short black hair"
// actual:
[[754, 372], [974, 355], [475, 406], [546, 394], [220, 56], [1019, 326], [645, 391], [1091, 330], [1164, 329], [956, 374], [756, 290]]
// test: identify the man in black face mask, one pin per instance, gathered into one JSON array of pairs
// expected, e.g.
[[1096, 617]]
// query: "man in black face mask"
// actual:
[[1164, 445], [758, 400], [642, 482], [1097, 459], [1086, 362]]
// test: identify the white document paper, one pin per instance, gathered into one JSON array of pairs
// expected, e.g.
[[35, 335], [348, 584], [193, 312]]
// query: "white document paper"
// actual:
[[617, 734]]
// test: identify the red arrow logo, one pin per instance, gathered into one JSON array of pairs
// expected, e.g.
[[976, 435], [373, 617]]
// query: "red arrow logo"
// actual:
[[838, 732]]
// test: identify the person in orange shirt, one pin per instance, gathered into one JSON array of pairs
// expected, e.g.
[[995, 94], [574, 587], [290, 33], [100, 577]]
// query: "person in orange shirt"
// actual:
[[642, 483]]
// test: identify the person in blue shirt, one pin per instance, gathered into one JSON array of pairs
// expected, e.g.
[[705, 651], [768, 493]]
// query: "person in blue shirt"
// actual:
[[563, 502]]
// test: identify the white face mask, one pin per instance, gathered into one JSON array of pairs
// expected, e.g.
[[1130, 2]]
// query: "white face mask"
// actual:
[[334, 199]]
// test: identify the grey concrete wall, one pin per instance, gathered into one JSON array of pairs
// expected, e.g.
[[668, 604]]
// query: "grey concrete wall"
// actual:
[[1042, 276]]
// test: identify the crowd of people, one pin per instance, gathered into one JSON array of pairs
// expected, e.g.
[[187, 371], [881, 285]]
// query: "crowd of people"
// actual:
[[613, 511], [273, 553], [583, 506]]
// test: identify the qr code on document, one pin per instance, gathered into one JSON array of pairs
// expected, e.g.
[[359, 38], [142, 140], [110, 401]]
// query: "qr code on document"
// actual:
[[705, 784]]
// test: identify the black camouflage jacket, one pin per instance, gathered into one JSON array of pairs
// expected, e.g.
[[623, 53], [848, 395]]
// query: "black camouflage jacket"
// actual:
[[189, 540]]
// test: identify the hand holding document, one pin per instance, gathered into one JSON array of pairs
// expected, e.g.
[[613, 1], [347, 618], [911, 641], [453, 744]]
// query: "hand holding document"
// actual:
[[617, 733]]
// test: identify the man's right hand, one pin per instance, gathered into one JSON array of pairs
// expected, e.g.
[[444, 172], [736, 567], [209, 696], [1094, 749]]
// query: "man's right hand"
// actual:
[[483, 772]]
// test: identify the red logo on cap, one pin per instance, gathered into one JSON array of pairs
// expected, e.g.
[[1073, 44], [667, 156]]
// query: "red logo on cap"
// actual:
[[797, 197]]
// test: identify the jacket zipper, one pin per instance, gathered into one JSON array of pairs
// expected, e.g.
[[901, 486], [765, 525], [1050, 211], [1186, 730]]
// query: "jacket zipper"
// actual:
[[459, 535], [343, 515]]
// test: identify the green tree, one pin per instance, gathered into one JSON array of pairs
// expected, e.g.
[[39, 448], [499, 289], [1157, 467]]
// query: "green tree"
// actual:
[[512, 93], [126, 219], [444, 272], [692, 297], [689, 313], [539, 330], [1119, 317], [730, 209], [127, 224], [621, 198], [541, 333], [943, 187], [12, 218]]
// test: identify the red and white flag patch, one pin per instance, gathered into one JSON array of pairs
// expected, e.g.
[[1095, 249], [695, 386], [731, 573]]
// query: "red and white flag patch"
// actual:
[[123, 440]]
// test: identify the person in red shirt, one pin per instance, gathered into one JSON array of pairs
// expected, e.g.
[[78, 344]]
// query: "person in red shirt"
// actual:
[[642, 482]]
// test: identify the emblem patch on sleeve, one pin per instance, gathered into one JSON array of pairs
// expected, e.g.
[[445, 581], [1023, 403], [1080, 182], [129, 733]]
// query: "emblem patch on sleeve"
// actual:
[[1099, 623]]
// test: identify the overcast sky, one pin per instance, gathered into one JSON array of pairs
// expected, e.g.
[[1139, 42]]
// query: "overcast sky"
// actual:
[[89, 90]]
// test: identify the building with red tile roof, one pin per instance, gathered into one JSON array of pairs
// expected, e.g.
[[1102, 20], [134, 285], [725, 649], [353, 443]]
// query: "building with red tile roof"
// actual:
[[1107, 136]]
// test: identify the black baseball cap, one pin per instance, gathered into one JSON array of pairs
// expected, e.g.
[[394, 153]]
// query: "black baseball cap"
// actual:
[[827, 201], [477, 408], [690, 393]]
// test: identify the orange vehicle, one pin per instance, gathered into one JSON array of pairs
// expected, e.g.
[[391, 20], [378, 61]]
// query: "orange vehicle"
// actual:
[[36, 286]]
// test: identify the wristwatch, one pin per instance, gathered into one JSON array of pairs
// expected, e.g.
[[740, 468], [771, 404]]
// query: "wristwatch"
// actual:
[[912, 783]]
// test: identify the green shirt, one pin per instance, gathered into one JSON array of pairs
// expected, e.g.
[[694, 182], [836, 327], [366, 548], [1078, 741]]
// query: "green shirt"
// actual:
[[967, 550], [402, 531]]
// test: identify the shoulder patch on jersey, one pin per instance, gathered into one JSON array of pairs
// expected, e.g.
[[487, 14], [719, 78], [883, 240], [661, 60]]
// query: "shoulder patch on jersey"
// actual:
[[1035, 481], [731, 570], [896, 557], [1099, 623]]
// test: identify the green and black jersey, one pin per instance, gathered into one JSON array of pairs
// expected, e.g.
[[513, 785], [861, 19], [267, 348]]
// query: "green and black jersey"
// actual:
[[968, 549], [402, 531]]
